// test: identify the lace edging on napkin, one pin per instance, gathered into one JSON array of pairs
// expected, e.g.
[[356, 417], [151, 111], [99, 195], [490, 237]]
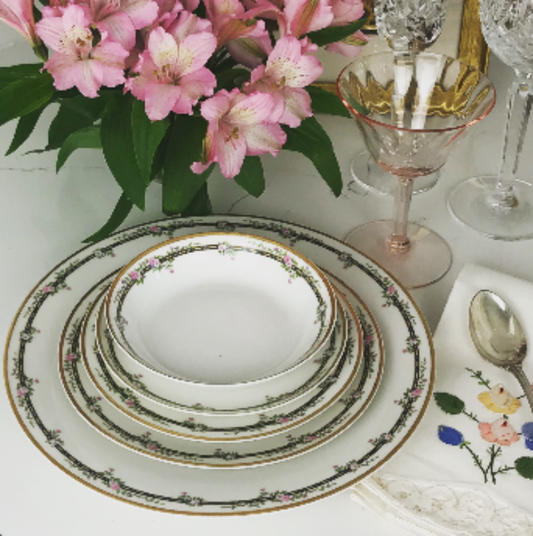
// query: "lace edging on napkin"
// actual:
[[438, 509]]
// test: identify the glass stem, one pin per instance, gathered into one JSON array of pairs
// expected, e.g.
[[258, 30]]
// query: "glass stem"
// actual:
[[519, 103], [398, 241], [403, 76]]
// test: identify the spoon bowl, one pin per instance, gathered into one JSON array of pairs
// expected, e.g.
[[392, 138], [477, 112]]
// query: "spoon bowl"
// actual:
[[499, 336]]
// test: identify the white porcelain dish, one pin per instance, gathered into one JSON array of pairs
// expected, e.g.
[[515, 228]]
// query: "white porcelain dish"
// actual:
[[221, 309], [245, 427], [309, 434], [251, 398], [46, 415]]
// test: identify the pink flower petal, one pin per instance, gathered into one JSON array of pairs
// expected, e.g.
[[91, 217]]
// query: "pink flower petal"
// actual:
[[229, 150], [254, 108], [297, 107], [262, 139], [119, 28], [160, 99], [194, 51]]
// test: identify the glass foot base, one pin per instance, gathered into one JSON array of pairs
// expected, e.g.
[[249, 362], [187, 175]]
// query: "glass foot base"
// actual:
[[370, 178], [428, 259], [470, 203]]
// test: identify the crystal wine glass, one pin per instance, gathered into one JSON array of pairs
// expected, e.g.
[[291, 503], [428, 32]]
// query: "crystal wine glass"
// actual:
[[446, 96], [501, 206], [409, 27]]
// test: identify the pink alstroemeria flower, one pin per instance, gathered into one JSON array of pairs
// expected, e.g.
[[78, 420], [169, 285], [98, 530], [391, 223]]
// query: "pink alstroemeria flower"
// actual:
[[286, 73], [302, 16], [19, 15], [248, 44], [239, 125], [120, 18], [172, 76], [77, 62]]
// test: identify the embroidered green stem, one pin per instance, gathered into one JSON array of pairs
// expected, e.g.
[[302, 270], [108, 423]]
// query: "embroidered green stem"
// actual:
[[477, 375], [476, 458], [471, 416]]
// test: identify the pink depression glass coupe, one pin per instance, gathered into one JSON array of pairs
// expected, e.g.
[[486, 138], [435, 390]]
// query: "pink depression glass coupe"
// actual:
[[444, 97]]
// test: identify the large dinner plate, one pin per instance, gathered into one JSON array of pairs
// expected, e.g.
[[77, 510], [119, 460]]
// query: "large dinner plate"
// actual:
[[55, 427]]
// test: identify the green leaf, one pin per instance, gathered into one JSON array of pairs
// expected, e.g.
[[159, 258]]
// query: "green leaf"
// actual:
[[119, 151], [251, 177], [25, 127], [25, 96], [227, 79], [90, 108], [17, 72], [147, 136], [120, 212], [332, 34], [65, 123], [180, 184], [322, 101], [200, 204], [86, 138], [311, 140], [524, 467], [449, 403]]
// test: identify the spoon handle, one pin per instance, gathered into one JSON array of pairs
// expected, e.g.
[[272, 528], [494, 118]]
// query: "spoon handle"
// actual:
[[524, 382]]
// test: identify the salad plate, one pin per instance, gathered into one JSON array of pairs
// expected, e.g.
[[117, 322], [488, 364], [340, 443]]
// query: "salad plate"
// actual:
[[220, 312], [64, 437], [309, 434], [253, 398]]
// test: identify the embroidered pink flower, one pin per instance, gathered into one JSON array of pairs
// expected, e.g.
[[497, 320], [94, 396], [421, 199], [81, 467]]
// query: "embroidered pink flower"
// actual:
[[70, 357], [78, 61], [130, 403], [22, 391], [500, 431], [153, 262], [284, 497], [172, 76], [284, 76], [114, 485], [239, 125], [391, 291], [415, 393], [47, 289]]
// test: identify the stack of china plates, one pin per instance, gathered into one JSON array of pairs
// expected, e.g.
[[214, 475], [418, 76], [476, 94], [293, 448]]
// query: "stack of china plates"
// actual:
[[190, 348]]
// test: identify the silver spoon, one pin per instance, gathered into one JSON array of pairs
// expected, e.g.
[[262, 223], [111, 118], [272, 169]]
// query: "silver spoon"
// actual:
[[499, 337]]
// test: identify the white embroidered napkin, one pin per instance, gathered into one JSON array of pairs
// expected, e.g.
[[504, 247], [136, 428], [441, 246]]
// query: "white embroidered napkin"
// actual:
[[468, 469]]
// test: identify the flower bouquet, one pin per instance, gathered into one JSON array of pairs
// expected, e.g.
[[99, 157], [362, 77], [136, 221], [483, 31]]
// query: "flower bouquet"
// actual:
[[169, 88]]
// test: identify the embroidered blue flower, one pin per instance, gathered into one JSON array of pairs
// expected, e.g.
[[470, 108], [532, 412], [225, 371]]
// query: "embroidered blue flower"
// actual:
[[450, 436], [527, 431]]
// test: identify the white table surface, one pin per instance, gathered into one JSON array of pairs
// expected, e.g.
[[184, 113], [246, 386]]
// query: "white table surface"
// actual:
[[43, 219]]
